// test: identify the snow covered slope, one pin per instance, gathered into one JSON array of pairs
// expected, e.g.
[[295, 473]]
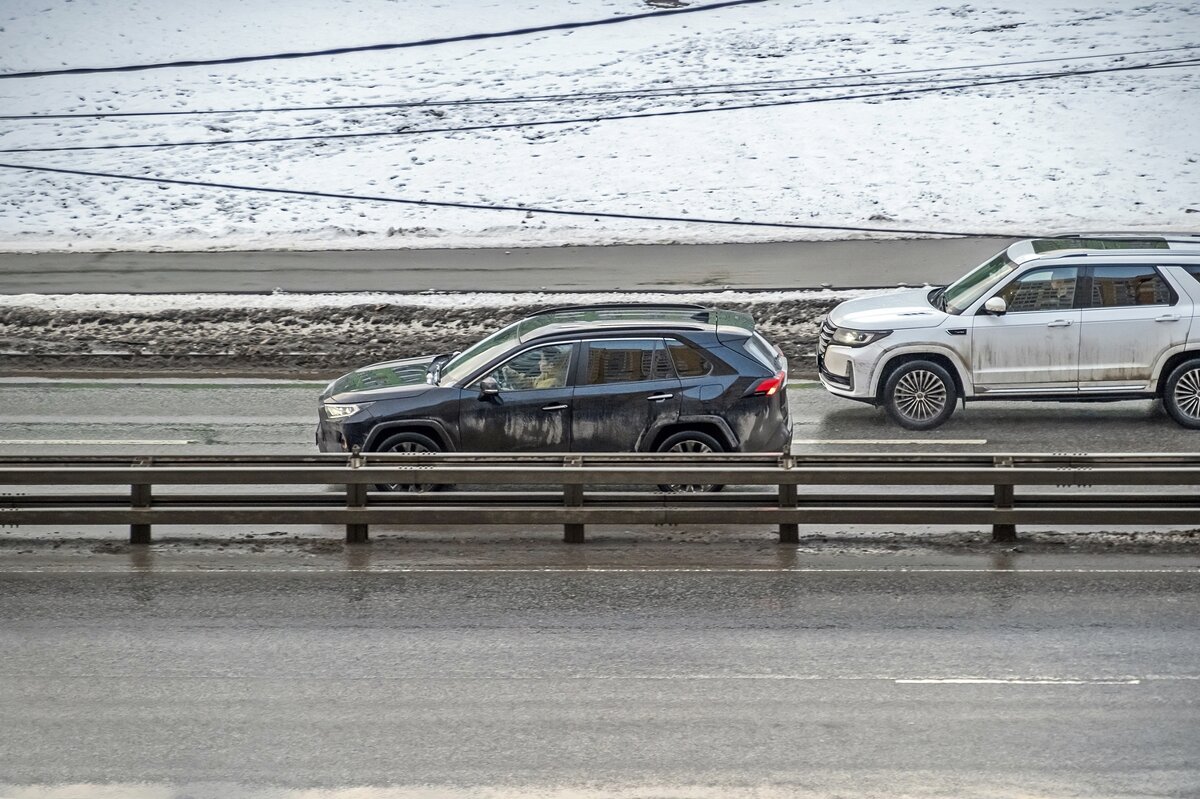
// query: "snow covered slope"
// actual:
[[1101, 151]]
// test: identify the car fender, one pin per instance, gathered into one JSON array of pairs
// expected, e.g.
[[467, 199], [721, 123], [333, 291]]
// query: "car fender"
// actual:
[[652, 432], [1191, 347], [384, 429], [920, 348]]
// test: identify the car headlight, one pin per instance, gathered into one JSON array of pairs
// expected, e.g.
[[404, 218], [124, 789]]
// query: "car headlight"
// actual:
[[858, 338], [342, 411]]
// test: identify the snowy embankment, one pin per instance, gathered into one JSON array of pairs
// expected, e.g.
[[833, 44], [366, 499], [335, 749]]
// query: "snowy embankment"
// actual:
[[1100, 151], [319, 334]]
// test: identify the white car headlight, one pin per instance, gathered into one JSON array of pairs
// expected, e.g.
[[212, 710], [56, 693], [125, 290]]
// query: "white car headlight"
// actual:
[[858, 338], [342, 411]]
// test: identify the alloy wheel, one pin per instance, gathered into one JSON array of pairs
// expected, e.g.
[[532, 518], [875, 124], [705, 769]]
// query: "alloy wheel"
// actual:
[[689, 446], [920, 395], [409, 448], [1187, 393]]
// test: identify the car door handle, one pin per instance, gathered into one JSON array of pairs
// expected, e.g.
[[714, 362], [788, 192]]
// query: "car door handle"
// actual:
[[659, 397], [1167, 318], [1060, 323], [559, 407]]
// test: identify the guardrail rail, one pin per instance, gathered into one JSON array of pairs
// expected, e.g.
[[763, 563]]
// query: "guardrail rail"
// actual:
[[576, 490]]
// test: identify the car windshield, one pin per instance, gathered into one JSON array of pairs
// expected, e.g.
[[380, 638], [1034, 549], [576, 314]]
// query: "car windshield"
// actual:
[[462, 365], [960, 294]]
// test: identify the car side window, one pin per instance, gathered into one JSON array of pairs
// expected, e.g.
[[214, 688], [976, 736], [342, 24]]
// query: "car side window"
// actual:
[[1051, 289], [1122, 286], [688, 362], [540, 367], [626, 361], [1194, 271]]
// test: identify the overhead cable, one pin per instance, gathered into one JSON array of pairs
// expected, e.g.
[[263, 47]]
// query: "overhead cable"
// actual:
[[741, 87], [606, 117], [491, 207], [473, 37]]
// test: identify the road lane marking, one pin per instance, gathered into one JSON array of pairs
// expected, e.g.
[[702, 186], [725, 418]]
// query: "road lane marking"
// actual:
[[1036, 681], [148, 442], [894, 441]]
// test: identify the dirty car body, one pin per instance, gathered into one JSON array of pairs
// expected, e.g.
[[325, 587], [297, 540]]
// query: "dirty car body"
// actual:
[[1067, 319], [605, 378]]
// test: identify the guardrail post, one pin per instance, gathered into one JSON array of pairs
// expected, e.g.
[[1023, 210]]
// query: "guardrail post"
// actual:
[[573, 498], [789, 532], [1002, 499], [140, 498], [356, 497]]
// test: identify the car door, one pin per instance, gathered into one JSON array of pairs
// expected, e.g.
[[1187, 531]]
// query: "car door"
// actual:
[[623, 388], [1034, 346], [1130, 319], [532, 412]]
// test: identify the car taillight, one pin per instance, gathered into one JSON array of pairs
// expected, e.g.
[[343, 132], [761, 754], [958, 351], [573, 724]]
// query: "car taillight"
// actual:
[[768, 386]]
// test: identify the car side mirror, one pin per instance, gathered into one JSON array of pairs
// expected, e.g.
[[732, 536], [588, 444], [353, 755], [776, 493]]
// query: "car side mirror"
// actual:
[[488, 387], [996, 305]]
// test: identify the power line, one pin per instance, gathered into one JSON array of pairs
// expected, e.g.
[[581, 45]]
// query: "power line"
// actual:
[[742, 87], [607, 117], [474, 37], [488, 207]]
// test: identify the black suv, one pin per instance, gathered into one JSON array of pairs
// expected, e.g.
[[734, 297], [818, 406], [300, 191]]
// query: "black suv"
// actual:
[[596, 378]]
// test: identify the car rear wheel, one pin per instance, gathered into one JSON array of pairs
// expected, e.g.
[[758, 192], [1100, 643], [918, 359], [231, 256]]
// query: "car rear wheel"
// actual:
[[1181, 394], [411, 444], [691, 442], [919, 395]]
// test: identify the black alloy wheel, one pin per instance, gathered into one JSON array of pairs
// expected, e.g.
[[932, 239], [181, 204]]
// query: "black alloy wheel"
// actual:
[[690, 442], [408, 444]]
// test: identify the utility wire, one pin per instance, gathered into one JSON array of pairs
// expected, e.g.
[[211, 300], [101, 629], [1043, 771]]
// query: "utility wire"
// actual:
[[474, 37], [488, 207], [605, 118], [743, 87]]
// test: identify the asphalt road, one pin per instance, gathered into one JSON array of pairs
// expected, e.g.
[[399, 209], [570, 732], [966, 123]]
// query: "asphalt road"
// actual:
[[247, 416], [919, 679], [617, 268]]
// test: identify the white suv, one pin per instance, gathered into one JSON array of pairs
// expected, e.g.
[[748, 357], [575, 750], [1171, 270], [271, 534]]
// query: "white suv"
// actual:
[[1072, 318]]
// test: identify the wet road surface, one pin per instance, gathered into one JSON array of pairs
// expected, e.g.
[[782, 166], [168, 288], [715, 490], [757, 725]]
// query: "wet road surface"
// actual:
[[859, 677], [617, 268], [247, 416]]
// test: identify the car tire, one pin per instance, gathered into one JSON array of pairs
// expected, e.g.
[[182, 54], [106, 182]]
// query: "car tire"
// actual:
[[689, 441], [919, 395], [1181, 394], [416, 444]]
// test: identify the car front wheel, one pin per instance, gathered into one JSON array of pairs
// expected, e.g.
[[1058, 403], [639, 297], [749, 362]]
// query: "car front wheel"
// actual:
[[690, 442], [412, 444], [919, 395], [1181, 394]]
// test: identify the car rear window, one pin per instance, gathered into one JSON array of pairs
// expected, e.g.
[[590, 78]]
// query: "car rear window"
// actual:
[[688, 362], [763, 351]]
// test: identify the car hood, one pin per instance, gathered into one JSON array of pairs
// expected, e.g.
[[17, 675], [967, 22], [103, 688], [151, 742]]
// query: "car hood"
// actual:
[[899, 311], [404, 377]]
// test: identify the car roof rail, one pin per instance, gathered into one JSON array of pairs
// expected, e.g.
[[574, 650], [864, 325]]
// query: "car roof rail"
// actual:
[[623, 306]]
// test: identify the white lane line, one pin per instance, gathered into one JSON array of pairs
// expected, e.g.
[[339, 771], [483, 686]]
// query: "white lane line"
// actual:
[[894, 441], [148, 442], [1035, 681]]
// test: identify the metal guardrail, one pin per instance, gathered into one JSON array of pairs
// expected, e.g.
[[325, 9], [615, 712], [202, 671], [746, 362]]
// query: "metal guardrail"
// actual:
[[576, 490]]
